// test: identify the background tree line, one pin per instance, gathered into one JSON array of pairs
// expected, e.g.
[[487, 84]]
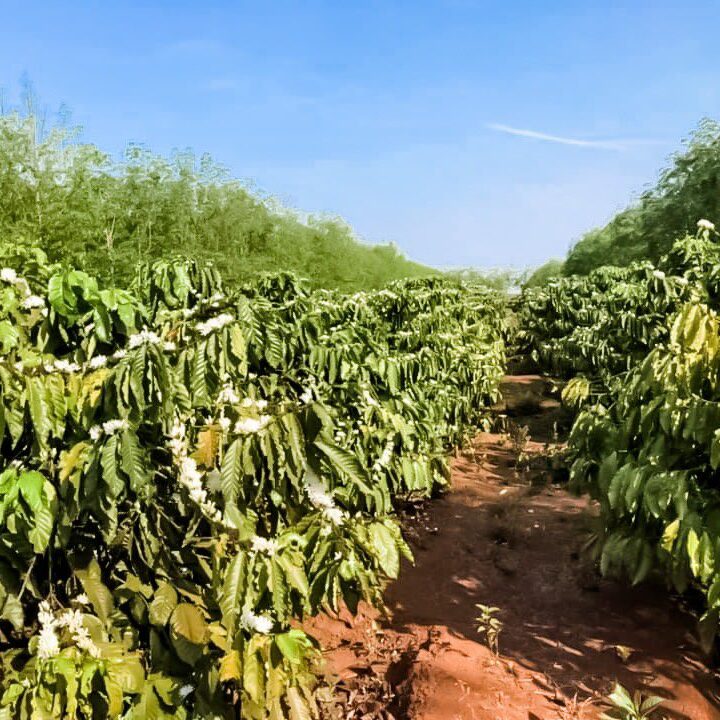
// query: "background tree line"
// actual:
[[85, 209], [687, 190]]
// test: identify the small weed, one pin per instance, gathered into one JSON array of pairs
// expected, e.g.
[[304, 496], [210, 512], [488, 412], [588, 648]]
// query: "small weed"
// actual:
[[624, 706], [519, 438], [489, 625]]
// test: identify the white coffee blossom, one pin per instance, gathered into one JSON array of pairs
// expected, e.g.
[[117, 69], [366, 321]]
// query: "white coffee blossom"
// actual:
[[307, 396], [48, 643], [249, 425], [33, 301], [73, 621], [82, 599], [8, 275], [659, 274], [65, 366], [112, 426], [263, 545], [216, 323], [119, 354], [317, 494], [143, 337], [335, 515], [98, 361], [177, 442], [224, 423], [45, 615], [189, 476], [322, 499], [228, 395], [705, 225], [95, 432], [169, 346], [256, 623]]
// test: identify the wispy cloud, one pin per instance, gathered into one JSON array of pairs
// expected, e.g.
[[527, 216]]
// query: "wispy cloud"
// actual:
[[577, 142]]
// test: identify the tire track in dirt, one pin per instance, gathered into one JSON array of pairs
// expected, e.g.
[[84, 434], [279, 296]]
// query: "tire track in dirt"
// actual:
[[512, 540]]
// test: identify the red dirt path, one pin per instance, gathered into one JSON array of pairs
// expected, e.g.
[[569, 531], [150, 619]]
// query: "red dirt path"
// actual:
[[498, 540]]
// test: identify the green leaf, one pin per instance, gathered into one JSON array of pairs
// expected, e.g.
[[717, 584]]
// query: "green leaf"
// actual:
[[383, 541], [188, 632], [100, 597], [231, 471], [346, 463], [163, 603]]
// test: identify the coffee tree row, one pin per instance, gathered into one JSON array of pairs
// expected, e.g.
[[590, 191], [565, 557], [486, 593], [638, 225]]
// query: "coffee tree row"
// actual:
[[186, 471], [648, 446]]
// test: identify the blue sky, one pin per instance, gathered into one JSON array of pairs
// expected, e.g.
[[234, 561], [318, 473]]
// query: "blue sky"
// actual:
[[470, 133]]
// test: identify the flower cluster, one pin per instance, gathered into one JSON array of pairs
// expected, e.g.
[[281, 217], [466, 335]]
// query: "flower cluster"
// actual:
[[266, 546], [250, 425], [249, 402], [33, 301], [110, 427], [30, 301], [384, 460], [72, 620], [228, 395], [256, 623], [321, 499], [213, 301], [216, 323], [97, 362], [8, 275], [144, 337], [63, 366], [705, 225], [188, 474]]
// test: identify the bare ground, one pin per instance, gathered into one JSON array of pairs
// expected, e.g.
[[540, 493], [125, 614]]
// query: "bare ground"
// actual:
[[512, 539]]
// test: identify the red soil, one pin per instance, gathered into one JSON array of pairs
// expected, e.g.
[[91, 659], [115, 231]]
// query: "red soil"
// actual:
[[497, 539]]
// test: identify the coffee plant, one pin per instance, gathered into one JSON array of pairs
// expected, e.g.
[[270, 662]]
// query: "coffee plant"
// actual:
[[187, 472], [647, 447]]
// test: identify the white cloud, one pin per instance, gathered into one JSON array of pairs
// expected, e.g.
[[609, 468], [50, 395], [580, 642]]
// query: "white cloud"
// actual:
[[600, 144]]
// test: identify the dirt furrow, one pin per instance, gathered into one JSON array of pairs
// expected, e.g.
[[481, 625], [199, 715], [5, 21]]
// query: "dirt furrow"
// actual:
[[507, 536]]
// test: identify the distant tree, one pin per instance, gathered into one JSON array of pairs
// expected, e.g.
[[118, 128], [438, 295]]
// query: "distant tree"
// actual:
[[686, 191], [551, 269]]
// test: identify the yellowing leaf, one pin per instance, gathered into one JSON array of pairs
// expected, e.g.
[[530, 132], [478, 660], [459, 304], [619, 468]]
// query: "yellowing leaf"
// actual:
[[230, 667]]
